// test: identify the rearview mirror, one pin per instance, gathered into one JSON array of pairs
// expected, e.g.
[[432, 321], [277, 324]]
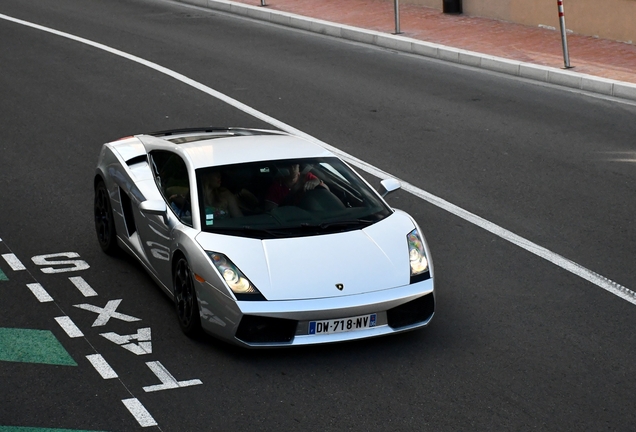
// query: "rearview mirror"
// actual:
[[390, 185]]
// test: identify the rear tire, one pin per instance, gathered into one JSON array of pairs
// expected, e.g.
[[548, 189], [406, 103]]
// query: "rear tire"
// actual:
[[185, 299], [104, 222]]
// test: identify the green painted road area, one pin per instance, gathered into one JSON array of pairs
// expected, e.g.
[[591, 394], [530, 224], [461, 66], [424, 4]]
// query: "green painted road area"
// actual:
[[32, 346], [3, 277]]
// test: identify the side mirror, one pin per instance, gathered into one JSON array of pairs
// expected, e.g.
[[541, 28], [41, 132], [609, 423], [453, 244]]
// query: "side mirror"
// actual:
[[390, 185], [155, 207]]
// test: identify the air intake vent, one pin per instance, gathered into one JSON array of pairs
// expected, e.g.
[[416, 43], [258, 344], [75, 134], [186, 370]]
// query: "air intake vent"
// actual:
[[257, 329], [413, 312]]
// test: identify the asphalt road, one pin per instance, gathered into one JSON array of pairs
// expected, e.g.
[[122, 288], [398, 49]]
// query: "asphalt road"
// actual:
[[517, 342]]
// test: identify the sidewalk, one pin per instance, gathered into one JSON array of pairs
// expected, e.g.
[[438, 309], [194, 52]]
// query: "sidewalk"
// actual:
[[588, 55]]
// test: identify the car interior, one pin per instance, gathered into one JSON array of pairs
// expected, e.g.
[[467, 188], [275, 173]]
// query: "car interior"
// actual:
[[341, 195]]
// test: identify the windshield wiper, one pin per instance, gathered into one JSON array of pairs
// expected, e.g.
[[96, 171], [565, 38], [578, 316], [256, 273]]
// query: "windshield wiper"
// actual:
[[285, 231], [250, 229], [340, 223]]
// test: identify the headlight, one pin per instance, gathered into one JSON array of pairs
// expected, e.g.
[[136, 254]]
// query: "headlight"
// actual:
[[234, 278], [417, 257]]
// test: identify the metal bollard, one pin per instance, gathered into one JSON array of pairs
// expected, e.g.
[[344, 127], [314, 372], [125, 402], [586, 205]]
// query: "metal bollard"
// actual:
[[396, 6], [263, 3], [564, 38]]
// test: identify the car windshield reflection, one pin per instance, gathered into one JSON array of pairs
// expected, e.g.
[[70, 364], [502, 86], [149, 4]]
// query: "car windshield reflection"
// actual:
[[286, 198]]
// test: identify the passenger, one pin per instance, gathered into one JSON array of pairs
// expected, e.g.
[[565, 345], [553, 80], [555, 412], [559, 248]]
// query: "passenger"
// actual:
[[289, 187], [219, 202]]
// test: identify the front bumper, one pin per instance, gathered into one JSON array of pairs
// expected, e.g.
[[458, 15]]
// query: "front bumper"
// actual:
[[286, 323]]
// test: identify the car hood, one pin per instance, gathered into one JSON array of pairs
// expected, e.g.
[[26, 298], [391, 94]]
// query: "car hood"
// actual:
[[311, 267]]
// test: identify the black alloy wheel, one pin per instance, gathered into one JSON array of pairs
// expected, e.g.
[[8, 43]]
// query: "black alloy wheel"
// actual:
[[104, 222], [185, 299]]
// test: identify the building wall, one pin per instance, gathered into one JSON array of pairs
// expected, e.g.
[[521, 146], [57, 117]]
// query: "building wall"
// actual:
[[606, 19], [433, 4], [497, 9]]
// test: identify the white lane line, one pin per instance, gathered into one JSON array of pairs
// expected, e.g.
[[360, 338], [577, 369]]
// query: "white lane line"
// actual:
[[540, 251], [83, 286], [69, 327], [13, 262], [101, 366], [40, 293], [140, 413]]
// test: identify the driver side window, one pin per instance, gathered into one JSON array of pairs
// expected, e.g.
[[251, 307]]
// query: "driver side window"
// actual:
[[171, 176]]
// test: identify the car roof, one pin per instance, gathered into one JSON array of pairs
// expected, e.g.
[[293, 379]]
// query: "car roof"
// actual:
[[217, 147]]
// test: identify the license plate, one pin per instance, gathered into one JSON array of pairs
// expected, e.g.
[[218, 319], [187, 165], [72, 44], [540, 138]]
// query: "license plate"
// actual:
[[342, 324]]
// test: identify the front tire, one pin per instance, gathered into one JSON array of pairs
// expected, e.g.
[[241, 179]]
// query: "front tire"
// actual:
[[104, 222], [185, 299]]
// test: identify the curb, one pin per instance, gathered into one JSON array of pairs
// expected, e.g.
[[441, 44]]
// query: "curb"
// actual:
[[531, 71]]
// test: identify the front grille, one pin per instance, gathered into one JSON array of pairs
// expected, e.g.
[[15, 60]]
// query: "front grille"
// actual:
[[257, 329], [413, 312]]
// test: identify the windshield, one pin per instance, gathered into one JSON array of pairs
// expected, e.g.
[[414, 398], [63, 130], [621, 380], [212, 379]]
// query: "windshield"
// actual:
[[286, 198]]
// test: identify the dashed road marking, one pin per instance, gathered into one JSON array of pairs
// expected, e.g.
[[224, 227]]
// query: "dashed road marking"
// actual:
[[14, 262], [69, 327], [140, 413], [40, 293], [101, 366], [83, 286]]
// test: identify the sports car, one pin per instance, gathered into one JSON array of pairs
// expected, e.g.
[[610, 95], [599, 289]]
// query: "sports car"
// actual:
[[263, 238]]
